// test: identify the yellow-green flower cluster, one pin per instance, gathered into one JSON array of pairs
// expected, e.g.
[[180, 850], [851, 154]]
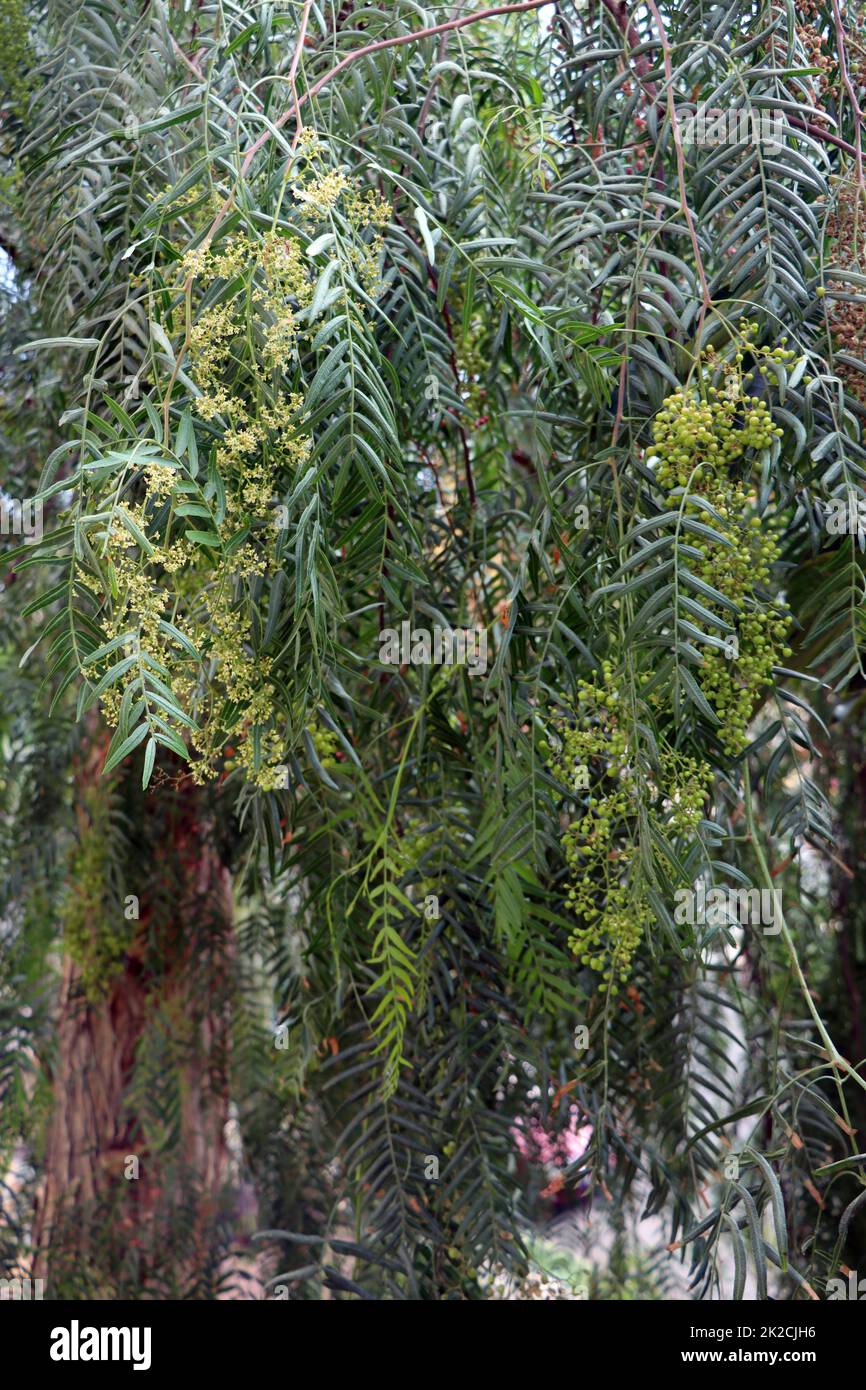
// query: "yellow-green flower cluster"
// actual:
[[322, 193], [179, 554], [262, 432]]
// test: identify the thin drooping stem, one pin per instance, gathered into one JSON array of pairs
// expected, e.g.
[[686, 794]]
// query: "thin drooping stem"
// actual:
[[836, 1058], [681, 169], [852, 95]]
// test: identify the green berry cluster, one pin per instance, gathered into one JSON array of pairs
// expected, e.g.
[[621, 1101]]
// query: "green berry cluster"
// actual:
[[606, 890], [686, 784], [732, 686], [701, 434], [707, 427], [689, 431], [326, 744]]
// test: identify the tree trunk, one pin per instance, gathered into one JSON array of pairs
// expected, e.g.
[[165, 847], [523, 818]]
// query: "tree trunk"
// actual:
[[122, 1180]]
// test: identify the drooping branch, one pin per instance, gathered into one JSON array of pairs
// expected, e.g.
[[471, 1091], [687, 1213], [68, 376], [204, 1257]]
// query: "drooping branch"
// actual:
[[618, 10], [377, 47]]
